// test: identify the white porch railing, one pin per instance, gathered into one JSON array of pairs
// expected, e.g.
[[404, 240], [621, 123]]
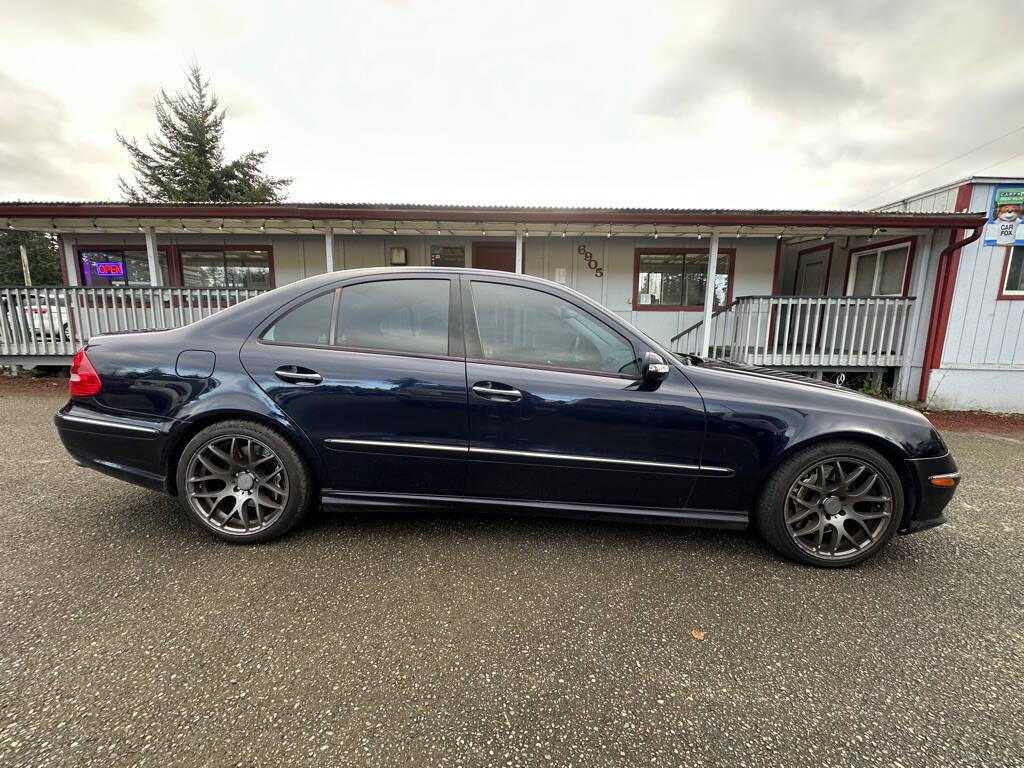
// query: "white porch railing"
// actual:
[[806, 331], [41, 322]]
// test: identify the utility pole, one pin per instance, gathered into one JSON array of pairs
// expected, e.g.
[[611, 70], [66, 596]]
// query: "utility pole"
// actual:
[[24, 266]]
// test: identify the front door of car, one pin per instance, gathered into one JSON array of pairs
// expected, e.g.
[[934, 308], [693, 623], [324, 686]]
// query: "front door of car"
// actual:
[[558, 412], [374, 373]]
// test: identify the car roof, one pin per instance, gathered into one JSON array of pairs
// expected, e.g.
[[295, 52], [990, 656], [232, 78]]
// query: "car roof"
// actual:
[[242, 316], [328, 277]]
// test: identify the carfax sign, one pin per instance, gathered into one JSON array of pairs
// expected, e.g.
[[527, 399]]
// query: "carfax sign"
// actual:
[[1006, 221]]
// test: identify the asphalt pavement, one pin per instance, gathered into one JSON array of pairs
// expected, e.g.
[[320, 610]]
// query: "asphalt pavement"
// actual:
[[129, 637]]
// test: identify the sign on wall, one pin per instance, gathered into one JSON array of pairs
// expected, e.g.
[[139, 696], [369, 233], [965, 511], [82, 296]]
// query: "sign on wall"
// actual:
[[1006, 219], [591, 260], [109, 269]]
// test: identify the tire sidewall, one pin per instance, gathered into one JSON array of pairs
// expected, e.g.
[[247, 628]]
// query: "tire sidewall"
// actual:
[[771, 505], [295, 467]]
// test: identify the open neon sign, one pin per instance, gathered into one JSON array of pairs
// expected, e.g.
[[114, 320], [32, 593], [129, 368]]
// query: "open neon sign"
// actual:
[[109, 269]]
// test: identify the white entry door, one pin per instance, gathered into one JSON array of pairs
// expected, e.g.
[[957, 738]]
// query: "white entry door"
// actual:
[[811, 273]]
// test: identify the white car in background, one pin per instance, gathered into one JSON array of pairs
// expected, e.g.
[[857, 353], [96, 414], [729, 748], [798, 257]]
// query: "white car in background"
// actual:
[[44, 316]]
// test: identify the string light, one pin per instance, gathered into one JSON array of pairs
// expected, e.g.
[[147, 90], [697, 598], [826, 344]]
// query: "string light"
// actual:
[[439, 229], [183, 227], [221, 225], [526, 232], [609, 229], [394, 228], [655, 231], [563, 233], [263, 226], [699, 235], [139, 227], [9, 225]]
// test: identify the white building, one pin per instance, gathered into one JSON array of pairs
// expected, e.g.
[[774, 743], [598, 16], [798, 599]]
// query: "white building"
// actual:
[[817, 291], [976, 359]]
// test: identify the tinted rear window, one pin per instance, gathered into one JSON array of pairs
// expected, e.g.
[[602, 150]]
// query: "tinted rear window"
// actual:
[[308, 323], [396, 316]]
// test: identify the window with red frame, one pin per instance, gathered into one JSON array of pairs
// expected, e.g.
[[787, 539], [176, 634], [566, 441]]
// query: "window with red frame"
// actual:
[[678, 279], [232, 268], [119, 266]]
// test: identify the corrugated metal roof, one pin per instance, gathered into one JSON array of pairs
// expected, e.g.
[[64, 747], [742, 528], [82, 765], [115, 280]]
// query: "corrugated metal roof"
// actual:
[[454, 208]]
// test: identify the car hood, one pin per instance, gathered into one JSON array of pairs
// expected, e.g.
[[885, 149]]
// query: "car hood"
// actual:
[[818, 402], [774, 373]]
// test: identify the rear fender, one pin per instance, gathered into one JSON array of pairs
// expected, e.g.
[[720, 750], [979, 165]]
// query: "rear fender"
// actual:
[[253, 405]]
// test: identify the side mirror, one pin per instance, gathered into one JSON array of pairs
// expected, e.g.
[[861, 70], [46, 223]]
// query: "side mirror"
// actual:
[[654, 368]]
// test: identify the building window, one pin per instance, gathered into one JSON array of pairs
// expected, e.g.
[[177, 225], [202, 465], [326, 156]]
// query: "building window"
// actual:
[[447, 255], [102, 267], [879, 271], [247, 269], [1012, 286], [676, 279]]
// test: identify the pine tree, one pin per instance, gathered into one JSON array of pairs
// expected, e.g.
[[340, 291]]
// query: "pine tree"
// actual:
[[186, 159], [42, 258]]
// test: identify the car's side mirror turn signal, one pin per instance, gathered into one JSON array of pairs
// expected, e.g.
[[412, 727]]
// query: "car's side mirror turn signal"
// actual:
[[654, 368]]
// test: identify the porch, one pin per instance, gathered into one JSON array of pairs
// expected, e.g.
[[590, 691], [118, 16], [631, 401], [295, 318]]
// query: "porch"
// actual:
[[47, 325], [811, 333]]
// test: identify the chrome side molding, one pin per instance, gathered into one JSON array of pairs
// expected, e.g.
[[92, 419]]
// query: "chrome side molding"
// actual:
[[472, 450], [110, 424]]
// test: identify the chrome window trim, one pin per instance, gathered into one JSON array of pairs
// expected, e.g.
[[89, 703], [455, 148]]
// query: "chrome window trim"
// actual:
[[112, 424], [529, 454]]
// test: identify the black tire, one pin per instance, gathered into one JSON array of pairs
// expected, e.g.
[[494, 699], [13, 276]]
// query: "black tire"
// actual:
[[779, 512], [295, 473]]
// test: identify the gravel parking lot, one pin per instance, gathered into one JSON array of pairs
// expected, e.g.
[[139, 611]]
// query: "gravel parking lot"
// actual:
[[130, 637]]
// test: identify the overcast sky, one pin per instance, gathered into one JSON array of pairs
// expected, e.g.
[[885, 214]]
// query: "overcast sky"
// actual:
[[745, 104]]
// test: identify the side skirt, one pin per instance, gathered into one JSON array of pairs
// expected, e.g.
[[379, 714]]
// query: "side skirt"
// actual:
[[703, 518]]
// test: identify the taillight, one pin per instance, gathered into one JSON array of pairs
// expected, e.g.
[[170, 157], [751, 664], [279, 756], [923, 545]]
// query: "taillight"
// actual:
[[85, 382]]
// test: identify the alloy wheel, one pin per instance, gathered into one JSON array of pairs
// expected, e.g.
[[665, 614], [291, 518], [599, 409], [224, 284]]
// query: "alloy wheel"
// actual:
[[237, 484], [838, 508]]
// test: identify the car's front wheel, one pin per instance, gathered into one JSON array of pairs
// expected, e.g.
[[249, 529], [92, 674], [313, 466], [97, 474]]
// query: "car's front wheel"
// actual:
[[242, 481], [831, 505]]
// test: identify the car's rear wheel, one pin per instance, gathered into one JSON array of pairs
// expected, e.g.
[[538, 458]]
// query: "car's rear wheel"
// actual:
[[242, 481], [831, 505]]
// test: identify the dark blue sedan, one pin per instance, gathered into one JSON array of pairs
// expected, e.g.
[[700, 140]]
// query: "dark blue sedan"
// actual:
[[416, 387]]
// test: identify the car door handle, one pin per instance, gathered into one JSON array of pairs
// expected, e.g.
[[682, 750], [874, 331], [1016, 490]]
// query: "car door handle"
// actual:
[[500, 392], [295, 374]]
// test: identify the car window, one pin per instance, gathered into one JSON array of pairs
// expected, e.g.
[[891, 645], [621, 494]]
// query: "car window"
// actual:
[[522, 325], [308, 323], [396, 316]]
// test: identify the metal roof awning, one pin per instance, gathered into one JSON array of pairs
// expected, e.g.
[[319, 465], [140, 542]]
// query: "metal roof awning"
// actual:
[[419, 219]]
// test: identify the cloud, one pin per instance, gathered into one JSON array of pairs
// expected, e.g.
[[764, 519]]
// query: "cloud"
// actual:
[[36, 156], [85, 17], [780, 59]]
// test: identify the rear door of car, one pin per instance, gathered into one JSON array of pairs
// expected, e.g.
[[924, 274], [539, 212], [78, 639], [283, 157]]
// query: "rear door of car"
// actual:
[[374, 373], [557, 409]]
